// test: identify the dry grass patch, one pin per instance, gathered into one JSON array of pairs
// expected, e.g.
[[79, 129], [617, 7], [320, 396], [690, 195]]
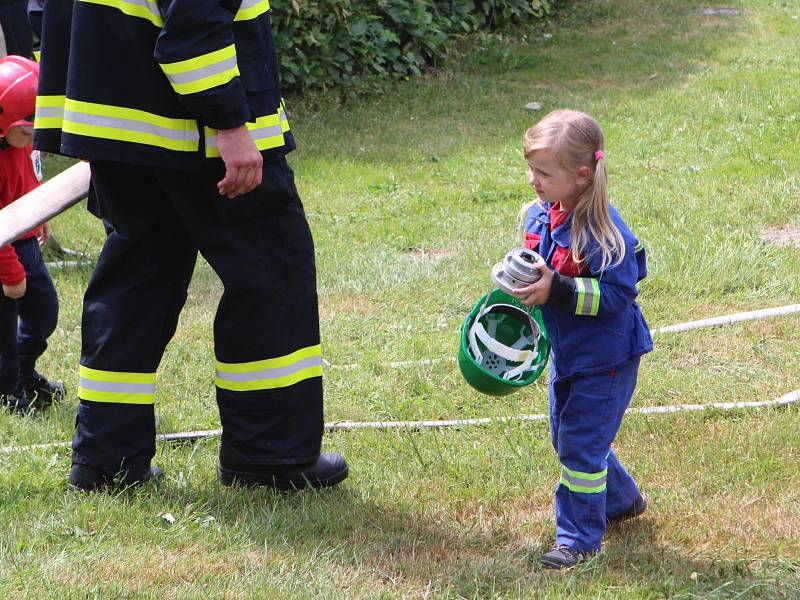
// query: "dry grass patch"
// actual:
[[785, 236]]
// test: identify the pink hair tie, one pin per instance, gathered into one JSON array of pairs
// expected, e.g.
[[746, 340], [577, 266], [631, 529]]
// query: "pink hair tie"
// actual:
[[598, 155]]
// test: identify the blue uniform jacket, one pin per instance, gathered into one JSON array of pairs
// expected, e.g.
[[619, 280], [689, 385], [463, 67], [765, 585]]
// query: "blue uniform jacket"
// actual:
[[593, 320]]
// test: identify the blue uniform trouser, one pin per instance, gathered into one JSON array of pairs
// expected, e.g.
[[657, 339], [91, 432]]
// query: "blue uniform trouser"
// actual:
[[266, 331], [585, 415], [25, 324], [17, 30]]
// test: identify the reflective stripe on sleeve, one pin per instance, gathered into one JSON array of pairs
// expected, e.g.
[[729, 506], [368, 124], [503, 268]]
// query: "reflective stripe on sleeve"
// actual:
[[639, 247], [145, 9], [588, 296], [250, 9], [270, 373], [130, 125], [116, 387], [267, 132], [584, 483], [202, 72], [49, 112]]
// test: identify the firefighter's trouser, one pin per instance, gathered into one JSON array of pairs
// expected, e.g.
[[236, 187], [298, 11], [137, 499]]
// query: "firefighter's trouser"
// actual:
[[25, 324], [266, 331], [585, 416]]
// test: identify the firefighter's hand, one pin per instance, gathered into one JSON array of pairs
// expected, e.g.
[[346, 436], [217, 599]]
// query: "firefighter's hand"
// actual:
[[44, 235], [243, 162], [16, 291], [539, 291]]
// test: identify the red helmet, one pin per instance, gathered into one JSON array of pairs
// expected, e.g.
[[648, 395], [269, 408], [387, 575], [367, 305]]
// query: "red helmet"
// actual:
[[18, 80]]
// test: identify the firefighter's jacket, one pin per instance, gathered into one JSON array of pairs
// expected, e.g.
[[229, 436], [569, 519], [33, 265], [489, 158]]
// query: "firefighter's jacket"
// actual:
[[593, 320], [150, 83]]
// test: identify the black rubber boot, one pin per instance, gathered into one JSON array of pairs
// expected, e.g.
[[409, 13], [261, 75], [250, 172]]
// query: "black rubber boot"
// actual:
[[638, 507], [83, 478], [564, 557], [328, 470], [41, 391]]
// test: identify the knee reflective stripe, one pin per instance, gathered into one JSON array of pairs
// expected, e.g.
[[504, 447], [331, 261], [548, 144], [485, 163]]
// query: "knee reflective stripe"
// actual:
[[250, 9], [267, 132], [270, 373], [116, 387], [49, 112], [584, 483], [588, 296], [130, 125], [202, 72], [145, 9]]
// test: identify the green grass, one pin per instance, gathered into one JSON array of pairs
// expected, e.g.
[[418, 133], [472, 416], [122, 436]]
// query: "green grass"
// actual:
[[412, 197]]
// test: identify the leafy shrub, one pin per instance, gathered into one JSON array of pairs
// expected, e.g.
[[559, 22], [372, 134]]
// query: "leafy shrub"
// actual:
[[357, 44]]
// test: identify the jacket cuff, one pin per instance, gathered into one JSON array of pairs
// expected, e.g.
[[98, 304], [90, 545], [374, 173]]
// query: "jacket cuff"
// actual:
[[18, 276], [562, 291], [238, 116]]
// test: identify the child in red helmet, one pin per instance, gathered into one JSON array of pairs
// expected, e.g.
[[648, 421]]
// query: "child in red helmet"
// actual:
[[29, 304]]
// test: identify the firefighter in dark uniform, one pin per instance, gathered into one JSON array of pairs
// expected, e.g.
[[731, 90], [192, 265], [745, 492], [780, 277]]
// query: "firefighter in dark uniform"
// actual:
[[176, 106]]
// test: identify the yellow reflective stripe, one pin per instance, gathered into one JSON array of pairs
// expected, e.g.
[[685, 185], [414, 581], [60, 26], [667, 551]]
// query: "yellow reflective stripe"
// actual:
[[588, 296], [250, 9], [584, 483], [270, 373], [202, 72], [130, 125], [37, 54], [116, 386], [145, 9], [266, 132], [49, 112], [271, 363]]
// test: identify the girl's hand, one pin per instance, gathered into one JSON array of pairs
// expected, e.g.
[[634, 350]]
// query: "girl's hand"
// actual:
[[44, 234], [539, 292], [15, 292]]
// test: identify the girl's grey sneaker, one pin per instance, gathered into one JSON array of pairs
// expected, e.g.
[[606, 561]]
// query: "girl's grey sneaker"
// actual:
[[638, 507], [564, 557]]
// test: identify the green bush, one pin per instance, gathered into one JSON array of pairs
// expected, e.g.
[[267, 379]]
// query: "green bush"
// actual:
[[357, 44]]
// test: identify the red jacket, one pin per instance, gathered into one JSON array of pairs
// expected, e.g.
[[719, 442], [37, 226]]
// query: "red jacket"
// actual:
[[17, 178]]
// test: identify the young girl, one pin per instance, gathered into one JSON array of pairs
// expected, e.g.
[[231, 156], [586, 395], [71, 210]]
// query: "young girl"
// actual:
[[587, 292]]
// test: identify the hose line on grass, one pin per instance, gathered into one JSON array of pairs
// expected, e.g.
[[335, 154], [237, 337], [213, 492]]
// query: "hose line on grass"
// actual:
[[782, 402]]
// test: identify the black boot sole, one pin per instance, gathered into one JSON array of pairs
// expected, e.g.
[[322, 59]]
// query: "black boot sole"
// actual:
[[244, 479]]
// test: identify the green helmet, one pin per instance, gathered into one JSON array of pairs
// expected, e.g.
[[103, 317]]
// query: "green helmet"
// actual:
[[503, 346]]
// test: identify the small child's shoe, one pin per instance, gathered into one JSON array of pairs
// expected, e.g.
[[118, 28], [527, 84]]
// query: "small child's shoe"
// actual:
[[564, 557], [42, 391], [17, 402], [638, 507]]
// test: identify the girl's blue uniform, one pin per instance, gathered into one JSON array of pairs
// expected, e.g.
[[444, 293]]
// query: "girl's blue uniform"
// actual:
[[598, 335]]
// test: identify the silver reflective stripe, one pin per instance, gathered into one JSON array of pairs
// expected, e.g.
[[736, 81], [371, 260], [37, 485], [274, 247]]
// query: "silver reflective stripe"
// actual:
[[203, 72], [588, 296], [305, 363], [265, 132], [585, 483], [119, 388], [131, 125], [49, 111]]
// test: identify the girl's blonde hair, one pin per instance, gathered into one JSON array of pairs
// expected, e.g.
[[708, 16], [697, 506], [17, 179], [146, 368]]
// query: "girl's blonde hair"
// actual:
[[575, 137]]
